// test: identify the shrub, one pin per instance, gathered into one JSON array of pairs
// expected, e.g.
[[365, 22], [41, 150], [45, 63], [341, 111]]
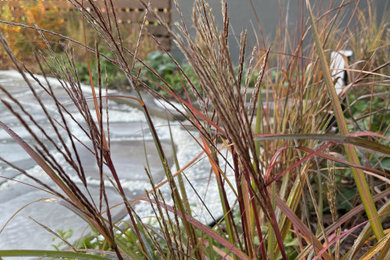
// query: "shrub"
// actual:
[[25, 42]]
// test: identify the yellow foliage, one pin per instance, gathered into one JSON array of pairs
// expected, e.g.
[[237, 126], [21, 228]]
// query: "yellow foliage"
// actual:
[[33, 13]]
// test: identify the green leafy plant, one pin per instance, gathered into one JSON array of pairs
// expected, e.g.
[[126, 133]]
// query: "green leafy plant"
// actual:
[[167, 69], [112, 76], [63, 235], [168, 73]]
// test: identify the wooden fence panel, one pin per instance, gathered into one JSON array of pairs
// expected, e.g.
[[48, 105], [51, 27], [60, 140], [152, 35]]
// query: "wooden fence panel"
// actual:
[[128, 12]]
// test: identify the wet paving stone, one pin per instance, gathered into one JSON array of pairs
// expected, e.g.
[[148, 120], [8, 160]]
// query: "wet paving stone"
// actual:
[[23, 233]]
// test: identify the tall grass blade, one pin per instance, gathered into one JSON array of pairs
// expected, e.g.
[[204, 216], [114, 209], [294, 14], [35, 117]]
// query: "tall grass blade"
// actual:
[[308, 235], [50, 253], [205, 229], [335, 239], [40, 161], [364, 236], [361, 182], [342, 139], [380, 247]]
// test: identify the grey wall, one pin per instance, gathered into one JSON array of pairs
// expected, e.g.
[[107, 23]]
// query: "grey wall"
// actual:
[[270, 12]]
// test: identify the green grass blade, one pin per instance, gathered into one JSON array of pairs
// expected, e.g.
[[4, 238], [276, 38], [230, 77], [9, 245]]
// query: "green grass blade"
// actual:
[[128, 251], [306, 233], [210, 250], [271, 234], [49, 253], [342, 139], [183, 191], [361, 182], [211, 233]]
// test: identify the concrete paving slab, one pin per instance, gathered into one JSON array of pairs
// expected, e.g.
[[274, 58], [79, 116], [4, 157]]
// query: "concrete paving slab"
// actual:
[[22, 233]]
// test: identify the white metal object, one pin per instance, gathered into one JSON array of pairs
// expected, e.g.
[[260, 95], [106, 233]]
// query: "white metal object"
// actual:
[[339, 61]]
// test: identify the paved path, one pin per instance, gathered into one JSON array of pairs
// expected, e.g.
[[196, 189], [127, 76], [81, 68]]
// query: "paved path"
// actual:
[[130, 141]]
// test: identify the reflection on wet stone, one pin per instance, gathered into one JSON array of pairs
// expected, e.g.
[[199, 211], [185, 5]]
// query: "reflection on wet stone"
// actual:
[[130, 142]]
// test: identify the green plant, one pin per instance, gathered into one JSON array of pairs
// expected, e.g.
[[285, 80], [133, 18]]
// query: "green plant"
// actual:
[[112, 76], [63, 236], [168, 73], [167, 69], [274, 147]]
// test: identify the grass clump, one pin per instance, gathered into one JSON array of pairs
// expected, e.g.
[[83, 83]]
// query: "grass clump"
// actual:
[[263, 118]]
